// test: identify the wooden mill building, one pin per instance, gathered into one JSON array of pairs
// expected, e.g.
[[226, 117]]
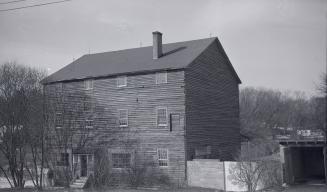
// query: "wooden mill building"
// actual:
[[165, 104]]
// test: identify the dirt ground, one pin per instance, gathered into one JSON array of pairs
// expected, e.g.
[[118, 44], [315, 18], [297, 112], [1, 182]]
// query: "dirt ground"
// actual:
[[307, 188], [115, 190]]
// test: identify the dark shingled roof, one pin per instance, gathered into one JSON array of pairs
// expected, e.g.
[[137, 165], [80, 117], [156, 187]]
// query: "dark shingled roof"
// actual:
[[175, 56]]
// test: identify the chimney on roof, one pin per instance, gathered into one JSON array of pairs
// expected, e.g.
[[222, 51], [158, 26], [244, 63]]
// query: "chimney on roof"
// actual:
[[157, 44]]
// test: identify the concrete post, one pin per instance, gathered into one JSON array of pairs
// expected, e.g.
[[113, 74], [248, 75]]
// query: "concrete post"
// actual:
[[285, 163], [325, 162]]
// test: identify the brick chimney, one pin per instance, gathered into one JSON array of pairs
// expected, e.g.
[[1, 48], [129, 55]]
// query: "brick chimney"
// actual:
[[157, 44]]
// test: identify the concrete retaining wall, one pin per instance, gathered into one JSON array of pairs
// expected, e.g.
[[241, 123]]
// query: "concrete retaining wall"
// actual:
[[206, 173], [212, 173]]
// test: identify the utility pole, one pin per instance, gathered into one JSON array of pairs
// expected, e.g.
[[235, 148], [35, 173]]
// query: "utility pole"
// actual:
[[325, 95]]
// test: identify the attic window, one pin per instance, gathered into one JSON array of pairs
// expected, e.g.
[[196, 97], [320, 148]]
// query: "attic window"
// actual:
[[59, 87], [122, 81], [161, 78], [88, 84]]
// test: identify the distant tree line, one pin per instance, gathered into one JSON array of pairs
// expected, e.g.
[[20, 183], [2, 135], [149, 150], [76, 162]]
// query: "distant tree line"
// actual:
[[265, 112]]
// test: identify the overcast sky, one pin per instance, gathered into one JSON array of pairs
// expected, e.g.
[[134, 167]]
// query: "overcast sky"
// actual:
[[279, 44]]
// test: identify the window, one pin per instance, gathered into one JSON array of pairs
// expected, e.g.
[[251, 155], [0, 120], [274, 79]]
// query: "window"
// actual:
[[123, 117], [121, 160], [63, 159], [88, 84], [90, 158], [122, 81], [203, 152], [175, 121], [161, 78], [88, 123], [87, 106], [163, 157], [162, 116], [75, 161], [59, 87], [59, 120], [75, 158]]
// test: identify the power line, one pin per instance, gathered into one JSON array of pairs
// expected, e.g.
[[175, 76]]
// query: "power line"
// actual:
[[8, 2], [36, 5]]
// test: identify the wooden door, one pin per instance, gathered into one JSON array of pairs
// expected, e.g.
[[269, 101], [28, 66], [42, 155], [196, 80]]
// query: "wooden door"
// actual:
[[83, 165]]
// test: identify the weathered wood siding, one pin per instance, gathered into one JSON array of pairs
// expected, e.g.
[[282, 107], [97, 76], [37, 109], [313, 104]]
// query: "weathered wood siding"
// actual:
[[212, 105], [140, 97]]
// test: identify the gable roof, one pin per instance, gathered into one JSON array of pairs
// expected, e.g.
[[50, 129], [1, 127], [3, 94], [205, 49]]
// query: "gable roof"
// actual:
[[175, 56]]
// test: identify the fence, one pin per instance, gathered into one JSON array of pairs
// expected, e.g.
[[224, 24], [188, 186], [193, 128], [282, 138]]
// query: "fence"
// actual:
[[211, 173]]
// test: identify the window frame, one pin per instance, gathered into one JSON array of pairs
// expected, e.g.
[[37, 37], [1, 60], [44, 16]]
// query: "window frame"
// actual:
[[158, 75], [86, 104], [61, 120], [63, 159], [59, 87], [161, 159], [120, 159], [157, 117], [119, 119], [88, 126], [125, 81], [88, 84]]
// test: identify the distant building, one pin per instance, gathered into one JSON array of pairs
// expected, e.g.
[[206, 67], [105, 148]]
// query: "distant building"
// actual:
[[175, 102]]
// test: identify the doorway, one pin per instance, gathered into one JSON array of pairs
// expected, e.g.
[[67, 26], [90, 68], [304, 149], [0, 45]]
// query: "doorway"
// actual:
[[308, 164], [83, 165]]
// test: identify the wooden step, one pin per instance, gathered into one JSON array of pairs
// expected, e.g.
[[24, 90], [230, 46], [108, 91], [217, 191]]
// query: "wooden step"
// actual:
[[78, 183]]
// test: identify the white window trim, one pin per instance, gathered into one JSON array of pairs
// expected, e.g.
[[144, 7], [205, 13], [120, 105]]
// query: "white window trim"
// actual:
[[58, 127], [163, 159], [125, 81], [91, 84], [123, 118], [88, 120], [59, 87], [166, 77], [86, 103], [162, 125]]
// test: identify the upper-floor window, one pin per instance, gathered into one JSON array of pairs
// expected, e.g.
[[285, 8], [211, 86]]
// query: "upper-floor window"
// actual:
[[162, 116], [87, 105], [121, 160], [89, 123], [59, 120], [123, 117], [122, 81], [59, 87], [88, 84], [161, 78], [163, 157]]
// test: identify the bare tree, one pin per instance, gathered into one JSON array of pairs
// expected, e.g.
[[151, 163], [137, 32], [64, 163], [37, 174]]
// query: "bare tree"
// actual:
[[256, 167], [20, 93], [265, 113], [322, 85], [66, 117]]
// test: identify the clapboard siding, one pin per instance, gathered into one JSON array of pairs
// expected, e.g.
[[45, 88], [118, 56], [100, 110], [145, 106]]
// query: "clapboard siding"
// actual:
[[212, 105], [205, 95], [140, 97]]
